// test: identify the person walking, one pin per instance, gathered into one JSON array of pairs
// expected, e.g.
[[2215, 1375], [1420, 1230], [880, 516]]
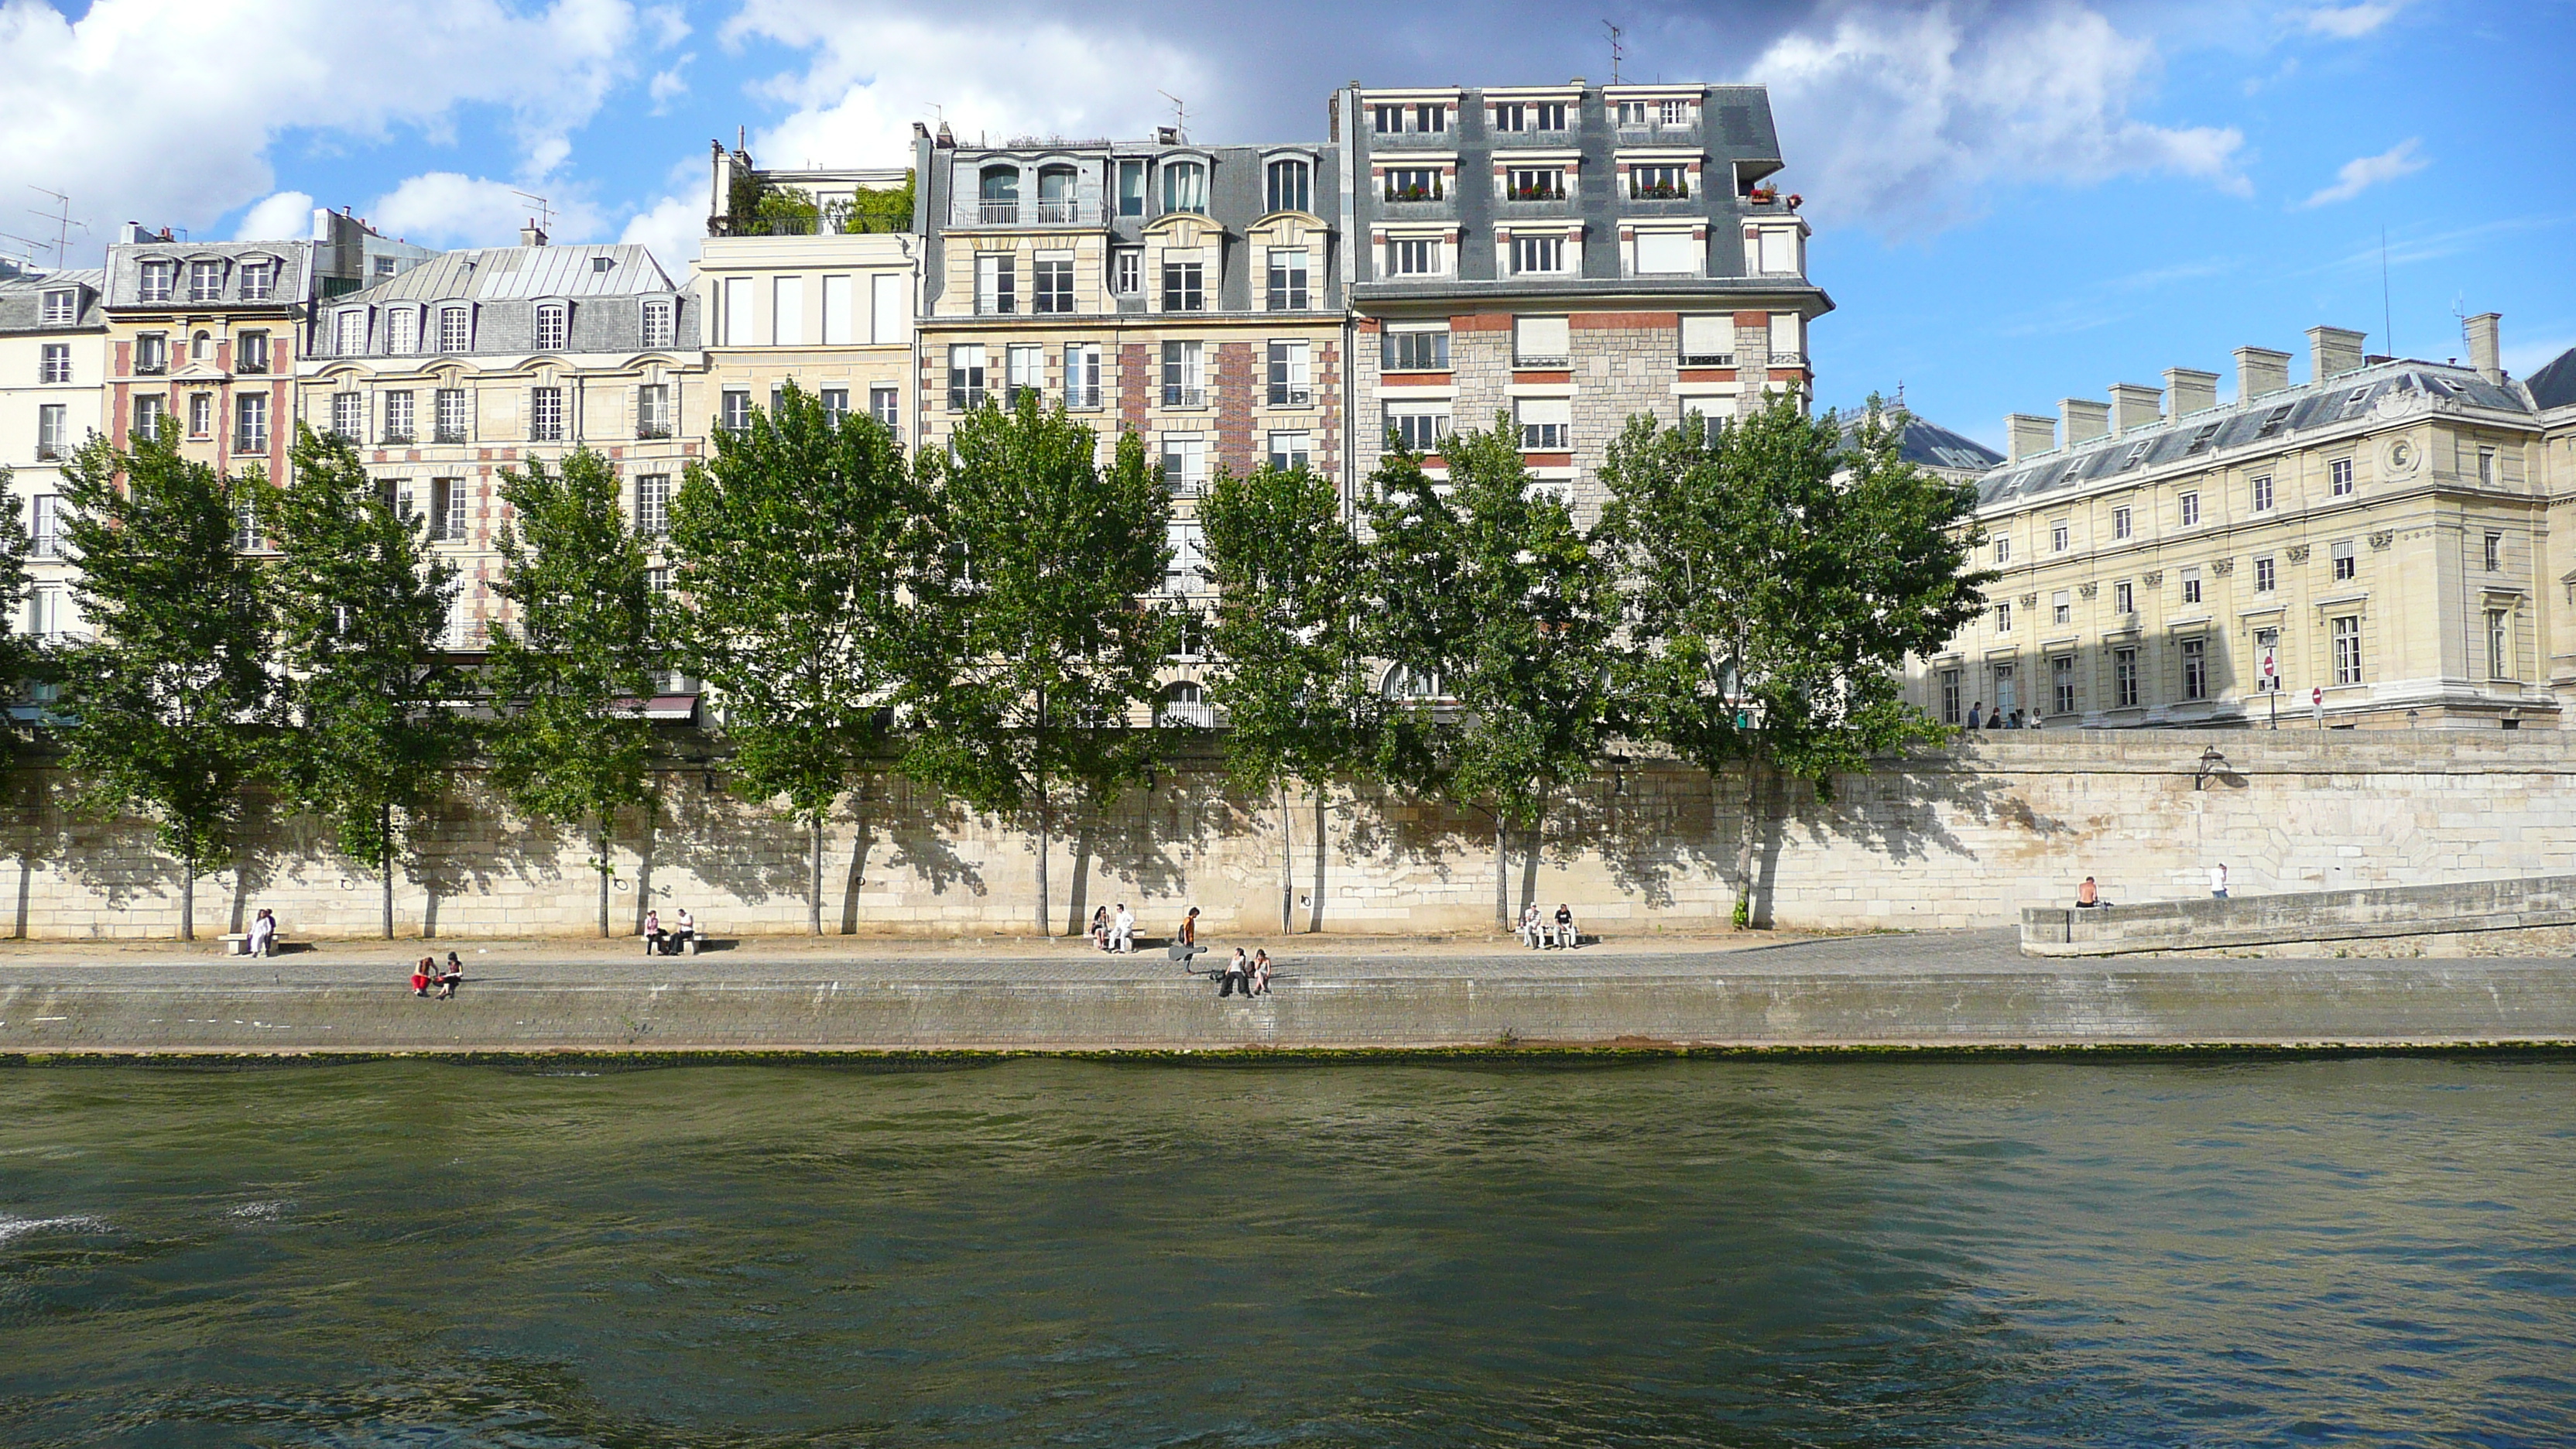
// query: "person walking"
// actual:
[[2218, 881], [1977, 715]]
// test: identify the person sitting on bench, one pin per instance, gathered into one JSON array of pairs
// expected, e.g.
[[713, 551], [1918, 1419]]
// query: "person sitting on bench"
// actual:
[[1566, 935], [686, 937], [653, 934]]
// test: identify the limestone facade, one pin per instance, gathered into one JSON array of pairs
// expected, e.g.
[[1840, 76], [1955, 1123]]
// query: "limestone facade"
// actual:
[[53, 362]]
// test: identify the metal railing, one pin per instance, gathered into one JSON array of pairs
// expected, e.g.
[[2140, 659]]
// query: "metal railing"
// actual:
[[1078, 398], [1058, 212], [1708, 359], [445, 434], [1184, 397], [997, 213]]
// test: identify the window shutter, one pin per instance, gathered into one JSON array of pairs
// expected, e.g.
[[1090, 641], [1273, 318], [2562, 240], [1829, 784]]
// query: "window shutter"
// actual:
[[1779, 250], [1787, 335], [1708, 336], [1541, 337], [1664, 252], [836, 312]]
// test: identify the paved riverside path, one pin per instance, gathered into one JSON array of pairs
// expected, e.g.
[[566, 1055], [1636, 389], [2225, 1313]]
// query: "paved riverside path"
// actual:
[[1934, 989]]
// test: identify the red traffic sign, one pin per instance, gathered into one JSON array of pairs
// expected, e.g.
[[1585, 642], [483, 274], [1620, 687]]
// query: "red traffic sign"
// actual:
[[2270, 669], [2317, 695]]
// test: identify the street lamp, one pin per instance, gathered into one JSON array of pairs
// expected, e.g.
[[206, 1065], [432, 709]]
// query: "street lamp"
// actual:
[[2211, 763]]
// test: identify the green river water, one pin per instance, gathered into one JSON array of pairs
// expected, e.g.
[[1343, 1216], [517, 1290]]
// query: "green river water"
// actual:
[[2372, 1250]]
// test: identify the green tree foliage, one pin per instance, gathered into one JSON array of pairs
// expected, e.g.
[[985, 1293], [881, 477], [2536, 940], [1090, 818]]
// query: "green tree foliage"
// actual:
[[791, 550], [360, 609], [1495, 591], [1288, 665], [874, 208], [169, 699], [22, 657], [1779, 579], [1038, 651], [570, 743]]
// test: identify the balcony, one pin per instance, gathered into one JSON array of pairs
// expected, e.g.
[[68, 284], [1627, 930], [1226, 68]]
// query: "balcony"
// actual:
[[652, 432], [1184, 397], [252, 364], [965, 399], [444, 433], [1189, 714], [1708, 359], [398, 438], [1059, 213], [45, 545], [997, 213], [49, 452], [1079, 399], [151, 366], [1288, 299]]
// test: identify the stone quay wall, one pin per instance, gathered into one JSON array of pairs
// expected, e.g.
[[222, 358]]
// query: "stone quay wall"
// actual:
[[1968, 835]]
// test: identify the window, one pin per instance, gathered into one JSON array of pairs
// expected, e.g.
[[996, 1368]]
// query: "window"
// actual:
[[454, 418], [1546, 423], [2061, 607], [1288, 280], [251, 353], [2137, 453], [2003, 549], [2191, 586], [2190, 509], [45, 612], [157, 277], [2061, 683], [2339, 478], [546, 414], [1632, 113], [257, 278], [250, 423], [402, 332], [1659, 183], [1024, 373], [2495, 552], [1415, 183], [1386, 120], [201, 415], [997, 195], [2263, 493], [1126, 271], [1537, 255], [1056, 203], [653, 505], [2202, 438], [653, 410], [2195, 669], [1184, 463], [1291, 450], [2347, 649], [55, 363], [152, 352], [205, 281], [1131, 188], [1053, 280], [965, 376], [2003, 618], [2266, 575], [1184, 186], [996, 284], [2499, 644], [247, 537], [2272, 420], [398, 422], [1669, 114], [1949, 696], [1548, 116], [1413, 257], [1082, 375], [659, 330], [453, 329], [447, 510], [1291, 186], [352, 338], [1431, 117], [46, 538], [554, 325], [1541, 342], [885, 406], [50, 426], [2124, 677], [384, 267], [1511, 118], [2124, 597], [1292, 379], [2058, 535], [1416, 351], [61, 308], [2487, 465], [1184, 374], [1708, 340], [1666, 253], [2121, 524], [2005, 698], [349, 416], [151, 415], [1184, 286], [836, 405], [1417, 429], [2345, 564], [657, 579]]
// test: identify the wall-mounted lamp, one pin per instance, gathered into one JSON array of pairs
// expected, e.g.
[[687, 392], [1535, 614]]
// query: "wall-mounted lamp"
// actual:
[[1618, 773], [2211, 763]]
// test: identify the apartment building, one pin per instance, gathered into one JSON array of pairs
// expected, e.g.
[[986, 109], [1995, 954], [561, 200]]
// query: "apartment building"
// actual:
[[53, 370], [808, 276], [478, 360], [2380, 534], [1565, 257]]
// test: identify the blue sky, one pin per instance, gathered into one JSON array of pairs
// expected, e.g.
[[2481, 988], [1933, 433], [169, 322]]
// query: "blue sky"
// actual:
[[2014, 202]]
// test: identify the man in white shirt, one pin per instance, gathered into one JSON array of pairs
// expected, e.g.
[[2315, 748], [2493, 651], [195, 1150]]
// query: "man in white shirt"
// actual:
[[2218, 881], [1122, 931]]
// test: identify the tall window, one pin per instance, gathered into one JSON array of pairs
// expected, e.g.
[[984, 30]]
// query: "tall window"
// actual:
[[1184, 374], [554, 327], [546, 414], [2004, 695], [1184, 186], [2121, 524], [455, 415], [1184, 463], [2347, 649], [653, 505], [733, 411], [2195, 669], [1414, 183], [447, 510], [402, 332], [152, 352], [257, 279], [1055, 195], [1417, 429], [659, 329], [2060, 533], [653, 410], [1545, 423], [349, 416], [2487, 466], [1511, 117], [1386, 120], [1291, 450], [2266, 575], [201, 415], [2061, 607], [2124, 677], [1949, 696], [453, 331], [2061, 683], [1538, 255], [1184, 286], [2339, 477], [55, 363], [2263, 493], [2124, 597], [205, 281], [2495, 552], [157, 277], [1548, 116], [61, 308], [2346, 563], [1024, 372], [2003, 548], [998, 196], [45, 538], [836, 405], [965, 376], [1131, 188], [996, 284], [398, 418], [1291, 186], [51, 425], [1415, 351], [352, 338], [151, 415], [1054, 283], [2191, 586], [1413, 257], [1126, 271], [886, 406], [1431, 117], [1292, 379], [2003, 618], [2190, 509], [2499, 644], [1082, 375], [1671, 114], [247, 535], [250, 417], [252, 352], [1287, 280]]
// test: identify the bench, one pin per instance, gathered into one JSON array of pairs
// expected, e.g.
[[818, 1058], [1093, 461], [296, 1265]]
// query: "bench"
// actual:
[[237, 943], [688, 944]]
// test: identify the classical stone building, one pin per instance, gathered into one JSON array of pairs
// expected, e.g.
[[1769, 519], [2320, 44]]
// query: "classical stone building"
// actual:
[[53, 366], [478, 360], [1565, 257], [2375, 543]]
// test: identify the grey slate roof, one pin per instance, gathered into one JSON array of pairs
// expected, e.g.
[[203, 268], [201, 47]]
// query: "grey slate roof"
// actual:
[[604, 285], [1930, 445], [2270, 420], [22, 301], [292, 283], [2554, 385]]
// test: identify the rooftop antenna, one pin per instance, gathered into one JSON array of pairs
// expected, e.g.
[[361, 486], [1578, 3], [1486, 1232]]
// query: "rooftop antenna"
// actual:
[[1180, 114], [2387, 312], [61, 217], [545, 210], [1618, 51]]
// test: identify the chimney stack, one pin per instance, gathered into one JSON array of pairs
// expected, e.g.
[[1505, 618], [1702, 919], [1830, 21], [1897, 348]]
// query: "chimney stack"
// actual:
[[532, 235], [2135, 405], [2029, 434], [2085, 419], [2190, 389], [2260, 370], [2333, 350], [2486, 345]]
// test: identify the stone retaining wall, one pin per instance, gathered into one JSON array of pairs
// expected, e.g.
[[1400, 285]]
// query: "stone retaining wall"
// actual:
[[1966, 836], [2529, 910]]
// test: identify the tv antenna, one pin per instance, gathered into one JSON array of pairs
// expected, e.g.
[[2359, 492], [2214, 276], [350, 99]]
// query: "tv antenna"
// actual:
[[545, 209], [1180, 114], [1618, 50], [2387, 311], [61, 217]]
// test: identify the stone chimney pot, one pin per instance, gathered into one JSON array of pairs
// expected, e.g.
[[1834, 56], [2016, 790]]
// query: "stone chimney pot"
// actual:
[[2190, 390], [2029, 434]]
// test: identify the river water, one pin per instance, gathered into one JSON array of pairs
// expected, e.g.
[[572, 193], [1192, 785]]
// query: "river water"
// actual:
[[1476, 1253]]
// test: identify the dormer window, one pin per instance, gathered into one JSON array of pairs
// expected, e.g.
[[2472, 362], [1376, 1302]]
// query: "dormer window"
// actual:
[[402, 332], [1633, 113], [554, 326], [1673, 115], [205, 281], [2272, 421], [353, 332], [455, 334], [157, 278], [1291, 186], [1056, 195], [1184, 186], [258, 279], [997, 193], [657, 324], [1431, 118], [61, 308], [1537, 183]]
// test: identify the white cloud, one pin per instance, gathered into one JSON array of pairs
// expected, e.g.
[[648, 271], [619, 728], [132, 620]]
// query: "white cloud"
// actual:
[[672, 231], [1905, 119], [670, 84], [446, 208], [163, 110], [2364, 172], [2348, 22], [286, 215]]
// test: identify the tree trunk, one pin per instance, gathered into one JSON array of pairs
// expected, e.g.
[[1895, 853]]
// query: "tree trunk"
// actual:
[[1744, 843], [385, 865], [818, 873], [188, 900], [1046, 831], [1502, 875], [1315, 912], [1287, 861], [602, 863]]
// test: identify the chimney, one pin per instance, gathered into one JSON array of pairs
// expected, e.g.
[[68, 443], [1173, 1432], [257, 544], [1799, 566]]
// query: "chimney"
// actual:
[[130, 233], [532, 235], [2486, 345], [2332, 350], [2260, 370], [2085, 419], [2190, 389], [2029, 434], [2135, 405]]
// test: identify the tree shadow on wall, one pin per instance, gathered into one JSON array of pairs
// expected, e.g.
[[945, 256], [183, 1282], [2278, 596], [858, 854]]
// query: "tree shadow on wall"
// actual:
[[917, 825], [741, 847], [1899, 811], [36, 828], [470, 841], [1151, 840], [1648, 823], [117, 858]]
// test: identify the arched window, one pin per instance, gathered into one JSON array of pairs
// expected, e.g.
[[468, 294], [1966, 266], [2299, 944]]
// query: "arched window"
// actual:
[[1403, 683], [1055, 194], [1184, 186], [553, 327], [199, 346], [1185, 705], [1292, 186], [999, 193]]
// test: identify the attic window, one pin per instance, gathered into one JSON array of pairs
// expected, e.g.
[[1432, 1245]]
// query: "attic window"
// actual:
[[2201, 439], [2069, 475], [2137, 453], [602, 264], [2352, 404], [2272, 421]]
